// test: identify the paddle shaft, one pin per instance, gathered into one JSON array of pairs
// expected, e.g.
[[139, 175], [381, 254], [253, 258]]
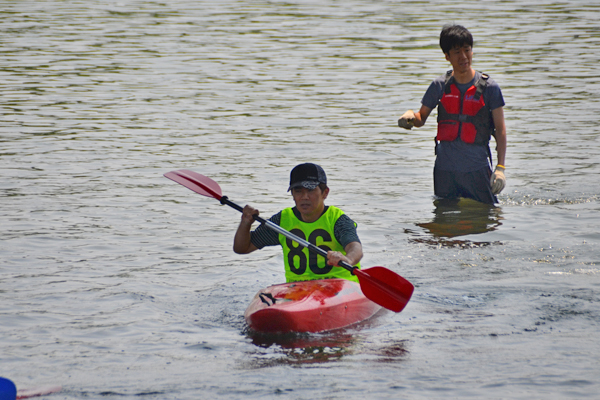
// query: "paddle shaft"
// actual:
[[286, 233]]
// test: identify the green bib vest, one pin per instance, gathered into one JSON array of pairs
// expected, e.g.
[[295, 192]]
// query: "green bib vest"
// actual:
[[302, 264]]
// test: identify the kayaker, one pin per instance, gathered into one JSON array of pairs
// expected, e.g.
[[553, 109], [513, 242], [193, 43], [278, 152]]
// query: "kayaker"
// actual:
[[465, 124], [325, 226]]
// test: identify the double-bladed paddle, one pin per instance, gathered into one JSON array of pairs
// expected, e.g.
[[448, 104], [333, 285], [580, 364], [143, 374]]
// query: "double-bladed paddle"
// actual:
[[379, 284]]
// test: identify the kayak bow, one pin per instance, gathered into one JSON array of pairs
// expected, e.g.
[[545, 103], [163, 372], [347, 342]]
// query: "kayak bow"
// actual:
[[309, 306]]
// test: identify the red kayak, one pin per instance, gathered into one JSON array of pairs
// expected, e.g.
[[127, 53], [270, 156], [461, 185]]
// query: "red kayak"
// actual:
[[309, 306]]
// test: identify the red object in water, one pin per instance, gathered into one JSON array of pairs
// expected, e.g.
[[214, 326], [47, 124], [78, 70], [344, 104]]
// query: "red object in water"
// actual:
[[309, 306], [35, 392]]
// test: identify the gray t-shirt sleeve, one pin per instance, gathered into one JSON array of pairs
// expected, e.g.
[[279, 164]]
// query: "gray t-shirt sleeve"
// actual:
[[265, 236], [434, 92], [493, 95], [345, 231]]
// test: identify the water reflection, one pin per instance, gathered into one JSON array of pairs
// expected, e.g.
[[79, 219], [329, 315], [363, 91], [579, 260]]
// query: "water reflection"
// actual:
[[318, 348], [458, 217], [303, 349]]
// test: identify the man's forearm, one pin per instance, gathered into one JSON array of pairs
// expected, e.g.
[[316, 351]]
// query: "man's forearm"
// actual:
[[354, 252], [241, 241]]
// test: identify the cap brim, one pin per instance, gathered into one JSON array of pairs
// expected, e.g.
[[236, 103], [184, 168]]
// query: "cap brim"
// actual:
[[305, 184]]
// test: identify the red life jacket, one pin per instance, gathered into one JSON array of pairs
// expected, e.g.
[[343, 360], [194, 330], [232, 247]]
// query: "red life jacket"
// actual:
[[464, 116]]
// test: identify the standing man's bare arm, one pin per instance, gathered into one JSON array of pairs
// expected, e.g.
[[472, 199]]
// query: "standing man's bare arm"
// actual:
[[410, 118], [501, 141], [421, 116]]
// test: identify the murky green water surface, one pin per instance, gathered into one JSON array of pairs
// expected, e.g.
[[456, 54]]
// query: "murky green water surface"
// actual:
[[116, 282]]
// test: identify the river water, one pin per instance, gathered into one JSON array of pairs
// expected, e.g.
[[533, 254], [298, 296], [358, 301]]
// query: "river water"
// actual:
[[115, 282]]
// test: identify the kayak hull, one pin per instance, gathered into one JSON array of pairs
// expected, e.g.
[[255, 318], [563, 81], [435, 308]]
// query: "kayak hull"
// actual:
[[309, 306]]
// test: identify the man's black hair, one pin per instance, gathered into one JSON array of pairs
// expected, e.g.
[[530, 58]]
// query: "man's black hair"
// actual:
[[454, 36]]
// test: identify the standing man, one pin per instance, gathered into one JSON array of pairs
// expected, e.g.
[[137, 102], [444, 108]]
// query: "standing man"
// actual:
[[470, 111]]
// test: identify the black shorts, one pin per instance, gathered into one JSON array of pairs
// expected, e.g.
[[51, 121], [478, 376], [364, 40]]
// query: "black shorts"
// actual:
[[472, 185]]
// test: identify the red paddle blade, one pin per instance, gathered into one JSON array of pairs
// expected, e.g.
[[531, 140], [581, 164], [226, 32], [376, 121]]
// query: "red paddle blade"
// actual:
[[197, 182], [385, 287]]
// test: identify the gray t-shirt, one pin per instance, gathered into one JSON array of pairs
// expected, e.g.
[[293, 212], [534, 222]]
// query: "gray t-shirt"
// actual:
[[457, 155]]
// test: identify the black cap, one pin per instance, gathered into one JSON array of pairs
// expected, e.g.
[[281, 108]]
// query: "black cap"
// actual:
[[307, 175]]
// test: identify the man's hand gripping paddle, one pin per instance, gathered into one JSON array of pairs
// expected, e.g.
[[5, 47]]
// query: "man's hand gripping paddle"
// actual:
[[379, 284]]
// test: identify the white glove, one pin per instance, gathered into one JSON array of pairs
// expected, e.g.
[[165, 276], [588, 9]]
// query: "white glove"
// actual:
[[498, 181], [407, 120]]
